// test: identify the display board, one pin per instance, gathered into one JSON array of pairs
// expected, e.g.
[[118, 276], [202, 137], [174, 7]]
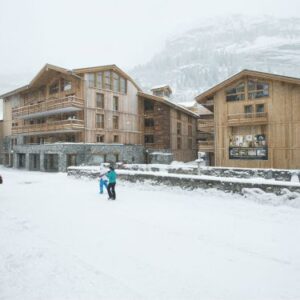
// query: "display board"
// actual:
[[252, 147]]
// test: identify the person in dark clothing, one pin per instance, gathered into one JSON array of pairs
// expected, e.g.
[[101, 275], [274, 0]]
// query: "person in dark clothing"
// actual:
[[112, 176]]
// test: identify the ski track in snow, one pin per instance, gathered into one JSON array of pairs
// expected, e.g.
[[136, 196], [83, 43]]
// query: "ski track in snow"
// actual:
[[60, 239]]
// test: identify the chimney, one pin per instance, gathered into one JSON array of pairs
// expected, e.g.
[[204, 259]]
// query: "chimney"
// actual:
[[162, 91]]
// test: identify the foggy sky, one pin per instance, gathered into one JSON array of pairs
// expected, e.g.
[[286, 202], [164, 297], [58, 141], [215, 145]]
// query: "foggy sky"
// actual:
[[73, 34]]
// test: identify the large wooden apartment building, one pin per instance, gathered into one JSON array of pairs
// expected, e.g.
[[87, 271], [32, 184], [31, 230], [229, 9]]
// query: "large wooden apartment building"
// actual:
[[91, 115], [255, 121]]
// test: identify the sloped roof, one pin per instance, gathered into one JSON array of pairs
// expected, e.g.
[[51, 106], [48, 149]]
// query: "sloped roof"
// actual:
[[37, 77], [243, 73], [167, 102], [106, 68], [74, 72]]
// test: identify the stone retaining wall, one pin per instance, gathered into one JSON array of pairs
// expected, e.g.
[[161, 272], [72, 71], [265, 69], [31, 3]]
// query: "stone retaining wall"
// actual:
[[191, 183]]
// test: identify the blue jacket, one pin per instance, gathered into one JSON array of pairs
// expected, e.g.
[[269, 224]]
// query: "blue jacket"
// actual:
[[112, 176]]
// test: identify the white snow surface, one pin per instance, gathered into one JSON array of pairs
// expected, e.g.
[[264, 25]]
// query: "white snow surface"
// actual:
[[61, 239]]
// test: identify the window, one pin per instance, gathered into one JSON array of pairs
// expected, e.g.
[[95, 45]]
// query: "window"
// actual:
[[116, 82], [257, 89], [117, 157], [107, 82], [116, 138], [190, 144], [236, 93], [178, 115], [54, 88], [148, 105], [91, 79], [178, 128], [99, 100], [115, 103], [115, 122], [149, 139], [149, 122], [189, 119], [123, 85], [65, 85], [260, 108], [100, 138], [178, 143], [248, 109], [99, 121], [190, 130], [99, 80]]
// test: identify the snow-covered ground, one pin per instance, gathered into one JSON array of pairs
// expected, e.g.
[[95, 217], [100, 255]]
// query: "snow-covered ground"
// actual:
[[61, 239]]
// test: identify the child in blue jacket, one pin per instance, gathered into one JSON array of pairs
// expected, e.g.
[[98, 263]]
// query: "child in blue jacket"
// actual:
[[103, 181]]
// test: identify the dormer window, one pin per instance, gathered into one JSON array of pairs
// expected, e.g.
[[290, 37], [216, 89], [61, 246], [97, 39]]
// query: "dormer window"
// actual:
[[236, 93]]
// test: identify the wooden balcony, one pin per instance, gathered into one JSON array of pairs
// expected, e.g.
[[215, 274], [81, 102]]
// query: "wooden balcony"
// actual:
[[48, 107], [51, 127], [247, 119], [206, 125], [206, 146]]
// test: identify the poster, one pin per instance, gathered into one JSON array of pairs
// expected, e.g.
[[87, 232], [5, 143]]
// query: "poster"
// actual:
[[249, 147]]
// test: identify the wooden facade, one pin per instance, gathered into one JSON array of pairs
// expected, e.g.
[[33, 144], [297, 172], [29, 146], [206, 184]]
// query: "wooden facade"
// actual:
[[169, 127], [98, 105], [256, 121]]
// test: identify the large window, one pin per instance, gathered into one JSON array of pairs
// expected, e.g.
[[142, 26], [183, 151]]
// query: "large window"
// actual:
[[148, 105], [66, 85], [260, 108], [178, 128], [149, 122], [107, 80], [149, 139], [116, 82], [100, 138], [54, 88], [179, 143], [190, 130], [115, 103], [99, 80], [123, 85], [99, 120], [91, 79], [257, 89], [99, 100], [236, 93], [115, 122]]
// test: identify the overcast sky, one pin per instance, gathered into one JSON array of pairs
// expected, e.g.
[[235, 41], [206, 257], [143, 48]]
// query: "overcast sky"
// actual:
[[71, 33]]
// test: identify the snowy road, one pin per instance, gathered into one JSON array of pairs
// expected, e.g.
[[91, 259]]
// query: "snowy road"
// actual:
[[61, 239]]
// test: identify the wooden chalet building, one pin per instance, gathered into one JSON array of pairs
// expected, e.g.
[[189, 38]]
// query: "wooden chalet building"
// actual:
[[87, 116], [255, 121]]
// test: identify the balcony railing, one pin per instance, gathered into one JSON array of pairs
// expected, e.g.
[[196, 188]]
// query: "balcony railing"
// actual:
[[206, 125], [247, 118], [206, 146], [48, 105], [56, 126]]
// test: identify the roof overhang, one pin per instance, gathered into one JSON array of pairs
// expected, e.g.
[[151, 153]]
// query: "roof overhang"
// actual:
[[168, 103], [107, 68], [240, 75]]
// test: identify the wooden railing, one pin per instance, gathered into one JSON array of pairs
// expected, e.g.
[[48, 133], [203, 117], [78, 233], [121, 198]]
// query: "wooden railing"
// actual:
[[248, 118], [47, 105], [206, 145], [63, 125], [205, 125]]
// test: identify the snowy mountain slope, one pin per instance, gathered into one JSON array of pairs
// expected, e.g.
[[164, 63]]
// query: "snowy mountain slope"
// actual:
[[218, 48]]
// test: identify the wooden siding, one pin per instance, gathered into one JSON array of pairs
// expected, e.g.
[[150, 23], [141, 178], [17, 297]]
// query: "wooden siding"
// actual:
[[281, 126]]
